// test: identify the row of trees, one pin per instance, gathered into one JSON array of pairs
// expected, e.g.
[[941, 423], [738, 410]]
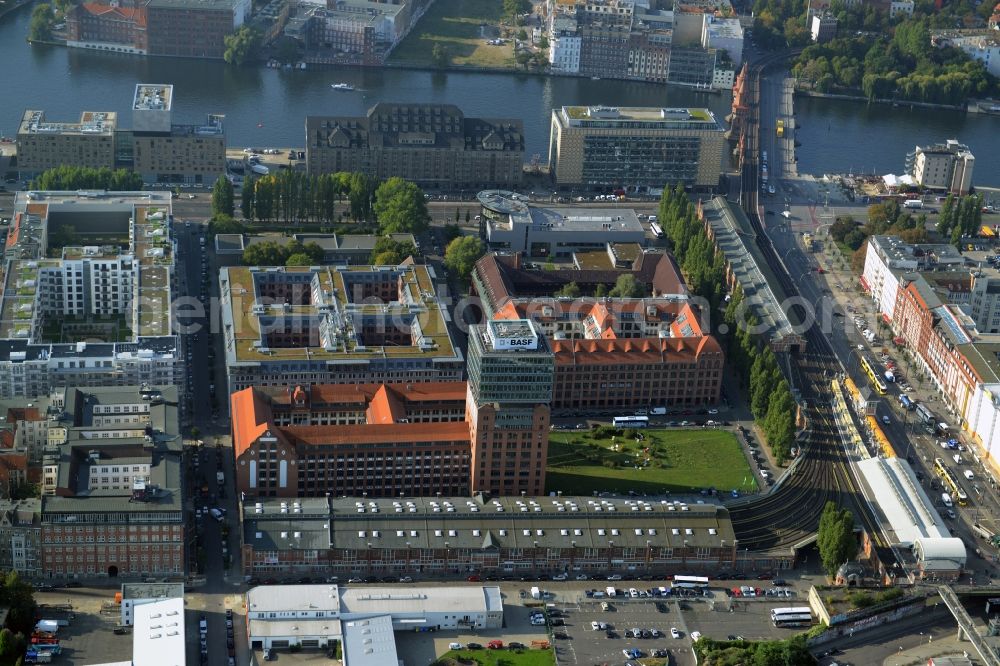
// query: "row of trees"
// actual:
[[625, 286], [87, 178], [241, 44], [704, 269], [292, 196], [397, 205], [884, 218], [962, 216], [271, 253], [223, 197]]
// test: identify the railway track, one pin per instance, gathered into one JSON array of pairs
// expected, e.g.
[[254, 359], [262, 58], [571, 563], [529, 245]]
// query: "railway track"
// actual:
[[790, 514]]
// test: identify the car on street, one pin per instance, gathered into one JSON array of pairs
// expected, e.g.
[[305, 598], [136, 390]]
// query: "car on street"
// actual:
[[473, 646], [674, 633], [454, 646]]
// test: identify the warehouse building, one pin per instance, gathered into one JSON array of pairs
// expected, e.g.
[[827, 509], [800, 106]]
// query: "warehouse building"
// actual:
[[452, 536], [363, 619]]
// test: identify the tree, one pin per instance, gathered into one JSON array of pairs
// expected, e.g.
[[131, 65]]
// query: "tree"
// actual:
[[223, 197], [523, 57], [513, 8], [543, 42], [240, 45], [400, 207], [16, 595], [299, 259], [64, 236], [390, 252], [440, 55], [462, 254], [87, 178], [224, 224], [626, 286], [195, 432], [42, 19], [451, 232], [522, 35], [835, 538], [571, 289], [601, 291]]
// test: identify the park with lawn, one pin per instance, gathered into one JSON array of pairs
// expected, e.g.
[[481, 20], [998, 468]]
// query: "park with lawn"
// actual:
[[646, 461], [462, 28]]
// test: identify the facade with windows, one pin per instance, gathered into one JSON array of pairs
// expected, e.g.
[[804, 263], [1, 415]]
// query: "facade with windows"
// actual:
[[20, 536], [112, 485], [51, 310], [43, 144], [624, 147], [510, 389]]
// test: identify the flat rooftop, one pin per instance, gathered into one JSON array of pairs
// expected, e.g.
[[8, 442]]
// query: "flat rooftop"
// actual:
[[631, 117], [91, 123], [736, 240], [334, 326], [153, 96]]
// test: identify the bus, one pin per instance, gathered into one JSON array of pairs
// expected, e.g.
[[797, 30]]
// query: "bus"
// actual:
[[871, 369], [691, 582], [796, 616], [656, 229], [763, 156], [781, 128], [950, 482], [807, 242], [630, 421], [926, 415]]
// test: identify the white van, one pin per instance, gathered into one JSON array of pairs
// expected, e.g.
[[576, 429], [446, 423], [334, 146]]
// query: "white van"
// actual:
[[968, 474], [946, 500]]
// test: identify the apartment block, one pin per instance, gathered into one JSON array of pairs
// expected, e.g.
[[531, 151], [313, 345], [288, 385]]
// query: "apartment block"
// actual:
[[20, 536], [113, 491], [434, 145], [944, 166], [888, 258], [723, 34], [610, 353], [375, 440], [166, 152], [325, 325], [516, 536], [160, 150], [43, 144], [618, 147], [99, 315]]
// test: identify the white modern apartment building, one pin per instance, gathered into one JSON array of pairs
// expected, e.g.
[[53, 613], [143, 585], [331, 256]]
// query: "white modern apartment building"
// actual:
[[724, 34], [97, 315], [943, 166]]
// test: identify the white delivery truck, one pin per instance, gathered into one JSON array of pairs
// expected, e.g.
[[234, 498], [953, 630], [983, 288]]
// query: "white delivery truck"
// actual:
[[536, 593], [611, 591]]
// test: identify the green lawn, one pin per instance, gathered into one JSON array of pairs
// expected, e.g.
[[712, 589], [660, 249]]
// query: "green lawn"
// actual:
[[530, 657], [676, 460], [457, 25]]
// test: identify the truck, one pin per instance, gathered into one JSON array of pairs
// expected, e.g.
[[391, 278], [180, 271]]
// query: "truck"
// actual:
[[658, 411], [807, 242], [946, 500], [536, 593], [217, 514], [889, 376], [50, 626], [913, 203], [220, 478], [260, 169], [906, 403], [611, 591]]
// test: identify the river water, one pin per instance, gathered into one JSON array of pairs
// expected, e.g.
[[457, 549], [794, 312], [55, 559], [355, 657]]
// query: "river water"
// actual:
[[266, 107]]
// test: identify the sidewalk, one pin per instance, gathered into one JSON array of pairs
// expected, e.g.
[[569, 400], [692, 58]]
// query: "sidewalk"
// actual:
[[922, 653]]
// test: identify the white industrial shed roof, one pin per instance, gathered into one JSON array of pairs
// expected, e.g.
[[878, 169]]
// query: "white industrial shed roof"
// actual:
[[907, 508], [940, 554]]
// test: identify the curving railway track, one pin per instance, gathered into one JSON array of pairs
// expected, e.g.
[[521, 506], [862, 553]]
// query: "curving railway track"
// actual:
[[790, 513]]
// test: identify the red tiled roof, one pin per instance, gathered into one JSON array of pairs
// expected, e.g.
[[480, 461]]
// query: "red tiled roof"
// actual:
[[134, 14], [452, 431], [632, 351], [250, 416]]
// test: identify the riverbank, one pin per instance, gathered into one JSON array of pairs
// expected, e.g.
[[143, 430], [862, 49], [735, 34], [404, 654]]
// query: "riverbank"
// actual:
[[7, 7], [896, 103]]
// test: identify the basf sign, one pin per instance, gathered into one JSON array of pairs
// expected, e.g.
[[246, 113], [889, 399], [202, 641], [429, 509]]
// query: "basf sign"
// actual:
[[516, 343]]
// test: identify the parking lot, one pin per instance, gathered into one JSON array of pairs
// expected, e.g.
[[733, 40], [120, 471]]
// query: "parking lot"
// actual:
[[90, 637], [715, 615]]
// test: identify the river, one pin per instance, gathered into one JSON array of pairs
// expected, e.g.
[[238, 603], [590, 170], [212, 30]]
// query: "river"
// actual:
[[266, 107]]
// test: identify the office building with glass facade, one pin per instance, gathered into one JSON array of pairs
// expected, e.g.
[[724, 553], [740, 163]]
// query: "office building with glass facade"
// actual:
[[598, 146]]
